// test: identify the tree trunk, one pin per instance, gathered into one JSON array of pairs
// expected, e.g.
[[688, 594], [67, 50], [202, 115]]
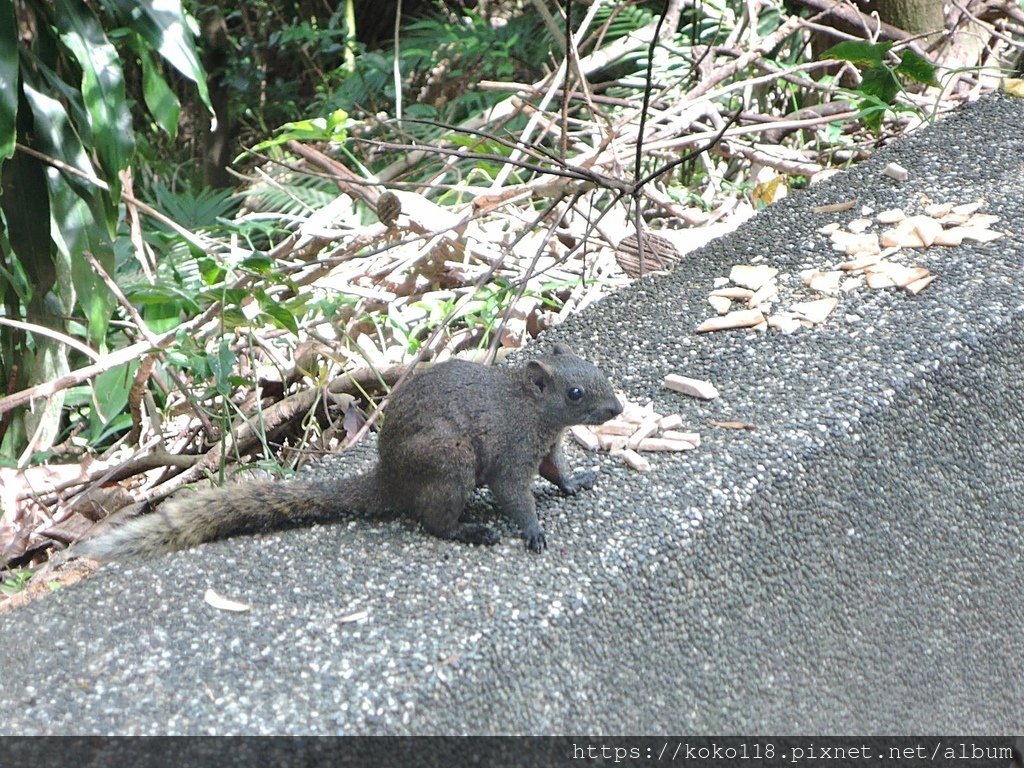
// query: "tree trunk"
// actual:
[[914, 16]]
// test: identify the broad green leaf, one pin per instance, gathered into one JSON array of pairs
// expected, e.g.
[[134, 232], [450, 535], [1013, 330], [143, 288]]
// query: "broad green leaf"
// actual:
[[26, 209], [71, 98], [8, 78], [872, 111], [15, 277], [881, 83], [280, 316], [221, 366], [162, 23], [110, 390], [74, 226], [917, 68], [258, 262], [162, 295], [50, 362], [161, 316], [54, 133], [100, 432], [102, 87], [858, 52], [333, 127], [161, 102]]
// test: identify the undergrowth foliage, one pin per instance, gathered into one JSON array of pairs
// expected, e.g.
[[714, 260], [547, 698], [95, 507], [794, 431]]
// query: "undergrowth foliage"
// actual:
[[454, 190]]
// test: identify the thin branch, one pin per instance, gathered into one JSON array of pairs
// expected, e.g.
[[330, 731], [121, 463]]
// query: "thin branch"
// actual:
[[42, 330]]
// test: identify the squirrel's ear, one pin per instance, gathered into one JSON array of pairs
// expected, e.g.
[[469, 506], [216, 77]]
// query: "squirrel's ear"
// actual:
[[539, 375], [563, 349]]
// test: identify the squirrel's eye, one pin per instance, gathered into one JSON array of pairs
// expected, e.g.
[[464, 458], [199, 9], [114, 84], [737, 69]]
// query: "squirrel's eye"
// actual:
[[574, 393]]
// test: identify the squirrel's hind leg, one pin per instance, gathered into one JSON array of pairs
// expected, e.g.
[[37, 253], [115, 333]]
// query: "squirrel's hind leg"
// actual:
[[439, 479]]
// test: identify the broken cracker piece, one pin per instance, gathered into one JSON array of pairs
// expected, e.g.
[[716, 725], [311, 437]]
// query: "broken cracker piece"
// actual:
[[896, 171], [815, 311], [917, 286], [617, 427], [855, 244], [733, 292], [585, 437], [689, 437], [966, 209], [720, 304], [891, 216], [823, 282], [741, 318], [699, 388], [899, 275], [635, 460], [643, 431], [938, 210], [664, 444], [861, 262], [767, 293], [612, 443], [670, 422], [786, 322], [752, 276]]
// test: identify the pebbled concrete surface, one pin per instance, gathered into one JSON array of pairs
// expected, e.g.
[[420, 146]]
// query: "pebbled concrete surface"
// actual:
[[852, 566]]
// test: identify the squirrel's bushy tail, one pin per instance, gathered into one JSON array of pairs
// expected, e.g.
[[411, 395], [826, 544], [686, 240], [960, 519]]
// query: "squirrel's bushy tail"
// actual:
[[218, 513]]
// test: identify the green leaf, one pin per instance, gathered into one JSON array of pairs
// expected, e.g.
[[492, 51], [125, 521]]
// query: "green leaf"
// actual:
[[333, 127], [161, 102], [55, 136], [280, 316], [162, 23], [99, 431], [161, 317], [110, 391], [49, 363], [102, 87], [917, 68], [26, 208], [196, 210], [161, 295], [259, 263], [8, 78], [858, 52], [221, 366], [872, 111], [73, 225], [881, 83]]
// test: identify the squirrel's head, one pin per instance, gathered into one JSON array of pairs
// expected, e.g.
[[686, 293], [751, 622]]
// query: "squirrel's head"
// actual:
[[569, 390]]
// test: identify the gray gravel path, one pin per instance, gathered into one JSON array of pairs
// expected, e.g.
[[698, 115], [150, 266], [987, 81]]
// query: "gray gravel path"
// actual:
[[853, 565]]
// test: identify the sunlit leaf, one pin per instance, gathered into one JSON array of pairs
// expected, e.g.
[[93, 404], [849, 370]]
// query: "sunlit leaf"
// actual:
[[8, 78], [160, 100], [333, 127], [102, 87], [74, 226], [163, 25]]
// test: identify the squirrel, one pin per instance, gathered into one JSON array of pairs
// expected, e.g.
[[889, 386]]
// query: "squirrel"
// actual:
[[449, 429]]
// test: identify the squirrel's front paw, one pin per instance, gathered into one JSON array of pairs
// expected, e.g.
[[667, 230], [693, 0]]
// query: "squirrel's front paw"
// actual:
[[535, 541], [579, 481]]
